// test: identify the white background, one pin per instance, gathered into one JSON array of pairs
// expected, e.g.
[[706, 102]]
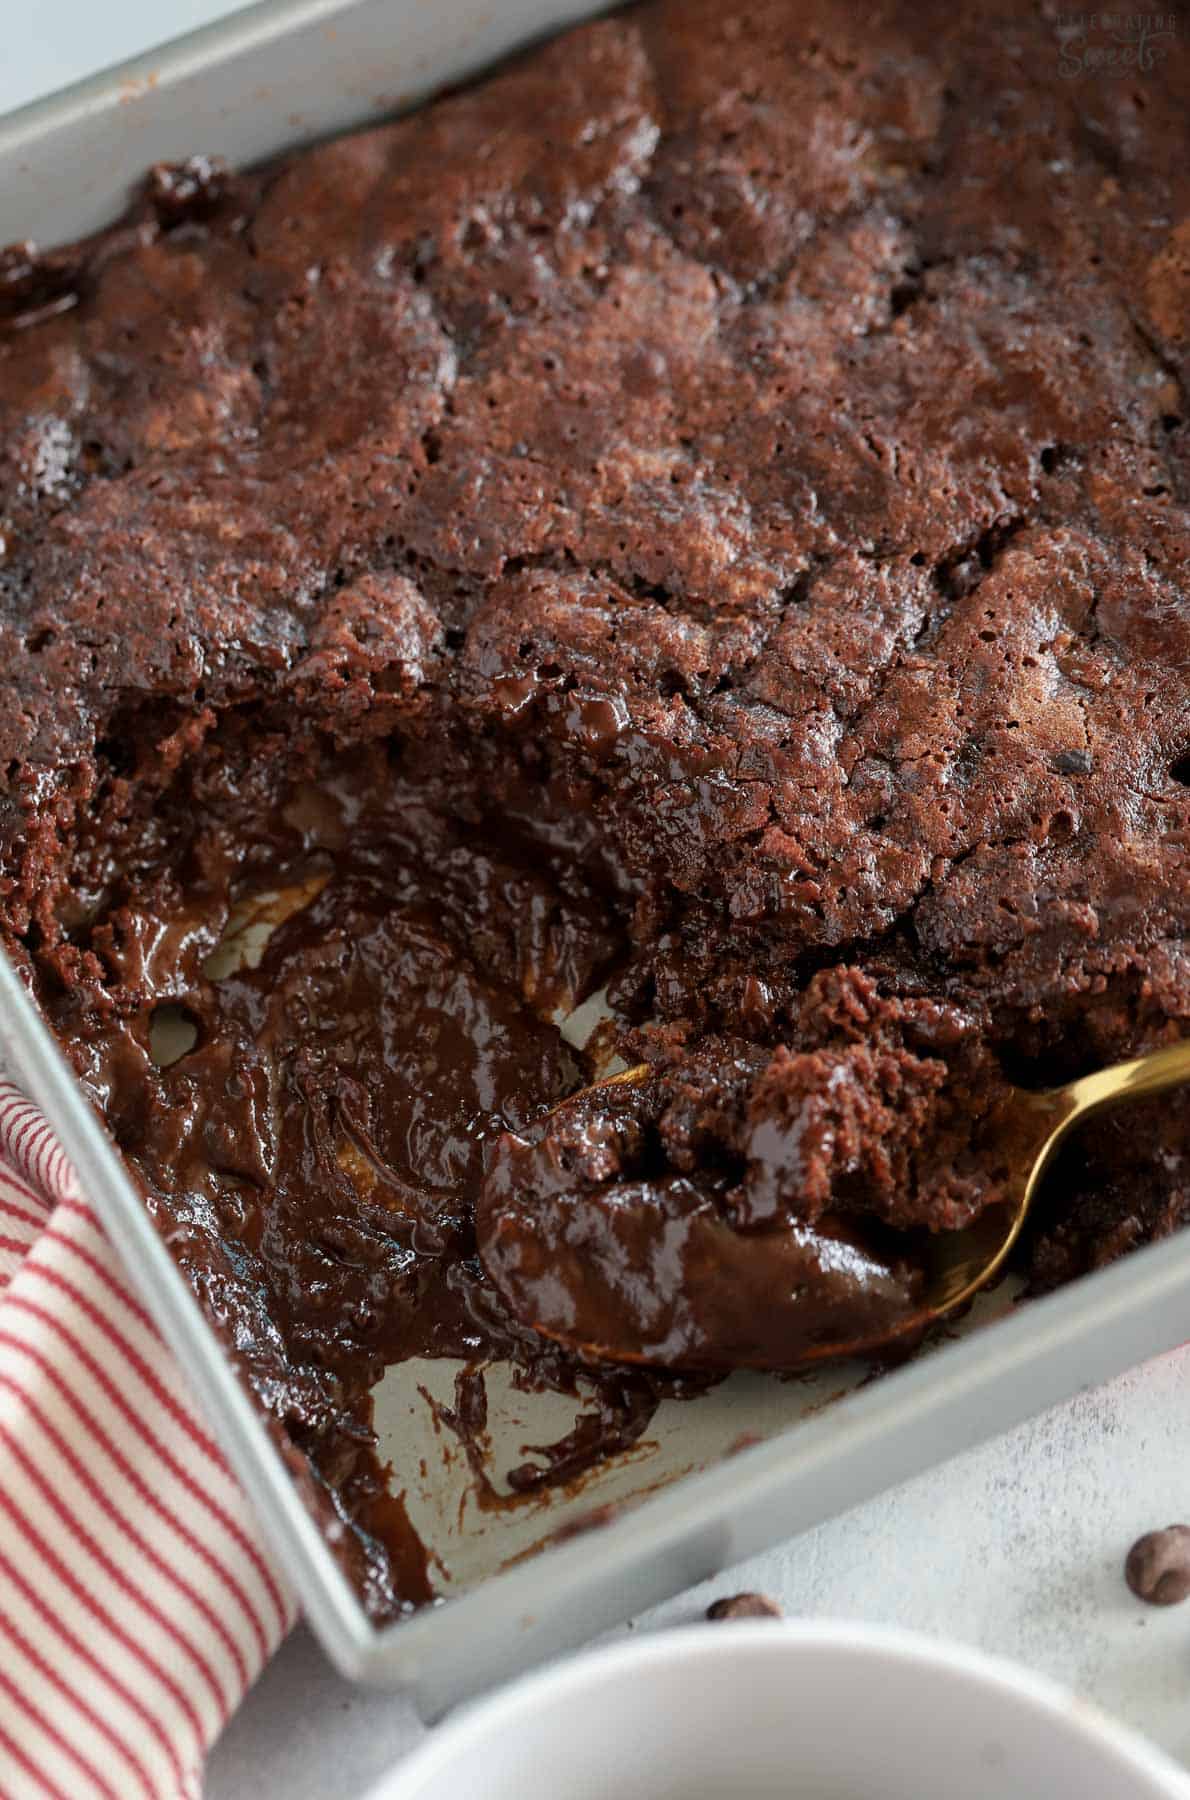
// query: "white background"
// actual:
[[1017, 1547]]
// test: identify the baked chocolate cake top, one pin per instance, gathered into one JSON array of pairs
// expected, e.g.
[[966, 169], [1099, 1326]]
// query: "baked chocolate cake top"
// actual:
[[734, 464], [786, 407]]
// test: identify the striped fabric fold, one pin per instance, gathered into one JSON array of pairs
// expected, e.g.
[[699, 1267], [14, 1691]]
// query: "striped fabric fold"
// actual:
[[136, 1601]]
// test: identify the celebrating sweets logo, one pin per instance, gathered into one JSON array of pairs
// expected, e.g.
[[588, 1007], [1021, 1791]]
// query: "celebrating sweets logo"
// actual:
[[1113, 43]]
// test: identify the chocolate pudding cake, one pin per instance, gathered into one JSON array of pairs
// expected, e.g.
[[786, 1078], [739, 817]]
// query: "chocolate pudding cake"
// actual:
[[700, 518]]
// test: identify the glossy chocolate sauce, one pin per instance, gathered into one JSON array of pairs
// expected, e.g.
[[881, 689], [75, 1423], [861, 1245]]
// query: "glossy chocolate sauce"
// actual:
[[364, 986], [643, 1264], [368, 1139]]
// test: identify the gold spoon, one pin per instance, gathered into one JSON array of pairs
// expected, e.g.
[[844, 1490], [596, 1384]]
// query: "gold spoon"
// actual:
[[963, 1262], [955, 1264]]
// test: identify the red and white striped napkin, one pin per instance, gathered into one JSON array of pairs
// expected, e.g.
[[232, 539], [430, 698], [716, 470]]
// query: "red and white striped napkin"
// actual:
[[136, 1601]]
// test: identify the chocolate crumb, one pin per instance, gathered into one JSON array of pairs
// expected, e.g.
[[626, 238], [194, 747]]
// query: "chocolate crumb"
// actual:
[[182, 192], [1157, 1568], [744, 1606]]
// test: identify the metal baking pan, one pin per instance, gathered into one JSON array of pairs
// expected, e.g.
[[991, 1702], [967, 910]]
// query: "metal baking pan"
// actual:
[[678, 1506]]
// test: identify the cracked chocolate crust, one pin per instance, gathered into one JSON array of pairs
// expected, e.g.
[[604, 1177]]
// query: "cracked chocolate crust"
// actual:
[[789, 427]]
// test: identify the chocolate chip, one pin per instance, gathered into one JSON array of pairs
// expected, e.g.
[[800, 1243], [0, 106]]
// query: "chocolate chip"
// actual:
[[1071, 762], [746, 1606], [1158, 1566]]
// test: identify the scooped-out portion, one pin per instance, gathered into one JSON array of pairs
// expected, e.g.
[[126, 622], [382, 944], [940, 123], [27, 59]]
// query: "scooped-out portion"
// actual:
[[323, 1025], [323, 1000]]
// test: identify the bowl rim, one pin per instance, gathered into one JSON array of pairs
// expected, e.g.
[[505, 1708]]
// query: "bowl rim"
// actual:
[[561, 1683]]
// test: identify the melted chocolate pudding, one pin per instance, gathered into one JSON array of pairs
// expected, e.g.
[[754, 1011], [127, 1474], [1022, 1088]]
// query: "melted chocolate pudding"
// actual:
[[316, 1151], [703, 514]]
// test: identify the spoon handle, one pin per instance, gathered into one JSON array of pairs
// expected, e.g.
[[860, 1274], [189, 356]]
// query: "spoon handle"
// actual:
[[1155, 1073]]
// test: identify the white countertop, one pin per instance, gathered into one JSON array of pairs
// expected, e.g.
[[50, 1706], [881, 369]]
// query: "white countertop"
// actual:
[[1016, 1547]]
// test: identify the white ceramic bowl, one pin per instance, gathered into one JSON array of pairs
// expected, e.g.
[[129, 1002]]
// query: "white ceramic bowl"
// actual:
[[760, 1711]]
